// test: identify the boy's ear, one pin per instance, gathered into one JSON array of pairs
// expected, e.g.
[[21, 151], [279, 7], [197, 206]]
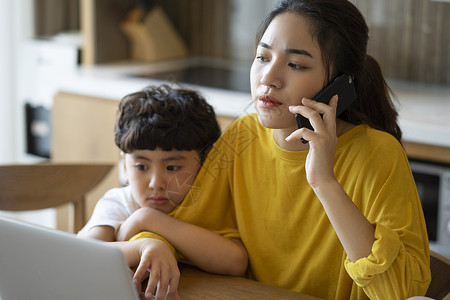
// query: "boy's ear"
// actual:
[[123, 169]]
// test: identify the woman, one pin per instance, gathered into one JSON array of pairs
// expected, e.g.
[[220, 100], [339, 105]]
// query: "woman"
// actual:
[[338, 217]]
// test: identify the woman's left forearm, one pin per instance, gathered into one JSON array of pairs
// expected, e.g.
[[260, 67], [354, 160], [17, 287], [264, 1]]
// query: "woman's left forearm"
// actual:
[[354, 231]]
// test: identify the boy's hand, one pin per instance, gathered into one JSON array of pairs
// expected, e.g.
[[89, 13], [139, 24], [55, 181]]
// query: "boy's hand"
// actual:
[[164, 275]]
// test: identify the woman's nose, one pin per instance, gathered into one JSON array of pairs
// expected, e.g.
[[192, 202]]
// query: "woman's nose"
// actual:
[[271, 76]]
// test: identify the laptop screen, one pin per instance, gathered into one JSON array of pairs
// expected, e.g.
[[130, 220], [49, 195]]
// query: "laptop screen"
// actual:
[[39, 263]]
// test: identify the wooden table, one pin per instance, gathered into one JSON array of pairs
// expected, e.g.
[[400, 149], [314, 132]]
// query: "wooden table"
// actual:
[[196, 284]]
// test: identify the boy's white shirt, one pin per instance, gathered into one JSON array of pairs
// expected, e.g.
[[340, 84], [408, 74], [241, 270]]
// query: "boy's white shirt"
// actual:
[[112, 209]]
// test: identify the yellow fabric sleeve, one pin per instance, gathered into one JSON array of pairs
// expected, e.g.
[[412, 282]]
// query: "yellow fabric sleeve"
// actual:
[[389, 257], [151, 235]]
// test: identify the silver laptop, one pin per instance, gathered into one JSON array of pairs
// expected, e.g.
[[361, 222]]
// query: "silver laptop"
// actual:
[[39, 263]]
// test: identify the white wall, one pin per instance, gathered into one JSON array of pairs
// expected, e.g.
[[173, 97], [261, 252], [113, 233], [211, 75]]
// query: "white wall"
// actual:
[[7, 126], [16, 24]]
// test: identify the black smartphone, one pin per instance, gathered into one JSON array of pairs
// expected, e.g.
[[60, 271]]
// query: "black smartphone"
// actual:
[[343, 86]]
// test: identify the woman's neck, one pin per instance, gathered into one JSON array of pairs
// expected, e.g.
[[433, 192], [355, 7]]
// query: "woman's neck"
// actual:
[[280, 135]]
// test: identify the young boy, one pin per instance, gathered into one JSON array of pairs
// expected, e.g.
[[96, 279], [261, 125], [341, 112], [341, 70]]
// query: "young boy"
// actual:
[[164, 135]]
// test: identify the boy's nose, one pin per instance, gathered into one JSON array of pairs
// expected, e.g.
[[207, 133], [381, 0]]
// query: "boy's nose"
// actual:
[[157, 182]]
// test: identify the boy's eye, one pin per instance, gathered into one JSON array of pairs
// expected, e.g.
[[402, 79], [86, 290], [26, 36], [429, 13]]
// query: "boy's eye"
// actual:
[[141, 167], [173, 168]]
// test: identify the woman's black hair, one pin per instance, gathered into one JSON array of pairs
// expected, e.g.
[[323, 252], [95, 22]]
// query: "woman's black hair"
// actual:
[[342, 34], [166, 118]]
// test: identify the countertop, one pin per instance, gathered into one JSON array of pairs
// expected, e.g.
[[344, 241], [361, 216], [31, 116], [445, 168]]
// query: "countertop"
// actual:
[[424, 109]]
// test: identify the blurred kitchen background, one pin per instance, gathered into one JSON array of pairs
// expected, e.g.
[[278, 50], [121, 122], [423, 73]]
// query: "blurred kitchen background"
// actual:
[[106, 49], [41, 40]]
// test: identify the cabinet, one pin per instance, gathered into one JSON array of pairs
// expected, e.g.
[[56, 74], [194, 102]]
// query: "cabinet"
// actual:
[[83, 132], [432, 153]]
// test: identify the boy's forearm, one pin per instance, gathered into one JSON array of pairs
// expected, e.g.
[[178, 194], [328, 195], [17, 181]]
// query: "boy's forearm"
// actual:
[[103, 233], [141, 220], [131, 251], [134, 224], [130, 227]]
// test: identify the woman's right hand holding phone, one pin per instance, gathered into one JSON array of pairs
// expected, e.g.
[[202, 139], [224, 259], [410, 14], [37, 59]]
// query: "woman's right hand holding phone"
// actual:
[[355, 232], [322, 141]]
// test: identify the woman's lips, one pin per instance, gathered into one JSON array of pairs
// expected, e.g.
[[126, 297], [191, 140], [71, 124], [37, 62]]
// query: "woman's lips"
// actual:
[[267, 101]]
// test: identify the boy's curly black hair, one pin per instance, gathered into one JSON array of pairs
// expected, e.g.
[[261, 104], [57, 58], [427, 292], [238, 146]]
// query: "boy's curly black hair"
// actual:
[[166, 118]]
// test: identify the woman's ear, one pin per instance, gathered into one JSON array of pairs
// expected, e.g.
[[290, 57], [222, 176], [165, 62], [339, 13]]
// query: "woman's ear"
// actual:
[[123, 169]]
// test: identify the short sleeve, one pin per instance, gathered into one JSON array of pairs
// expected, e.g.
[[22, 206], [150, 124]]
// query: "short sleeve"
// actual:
[[389, 270], [384, 251], [111, 210]]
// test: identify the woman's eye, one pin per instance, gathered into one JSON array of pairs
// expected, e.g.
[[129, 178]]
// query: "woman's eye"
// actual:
[[296, 66], [261, 58], [173, 168]]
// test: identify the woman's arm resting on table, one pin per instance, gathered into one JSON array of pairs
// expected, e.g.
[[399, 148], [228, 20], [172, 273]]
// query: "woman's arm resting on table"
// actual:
[[156, 257], [206, 249]]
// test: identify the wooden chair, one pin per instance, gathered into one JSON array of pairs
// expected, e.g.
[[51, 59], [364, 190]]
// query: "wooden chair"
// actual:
[[39, 186], [440, 276]]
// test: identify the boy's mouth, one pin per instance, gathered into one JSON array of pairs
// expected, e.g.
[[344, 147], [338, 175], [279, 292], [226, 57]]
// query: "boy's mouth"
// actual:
[[158, 200]]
